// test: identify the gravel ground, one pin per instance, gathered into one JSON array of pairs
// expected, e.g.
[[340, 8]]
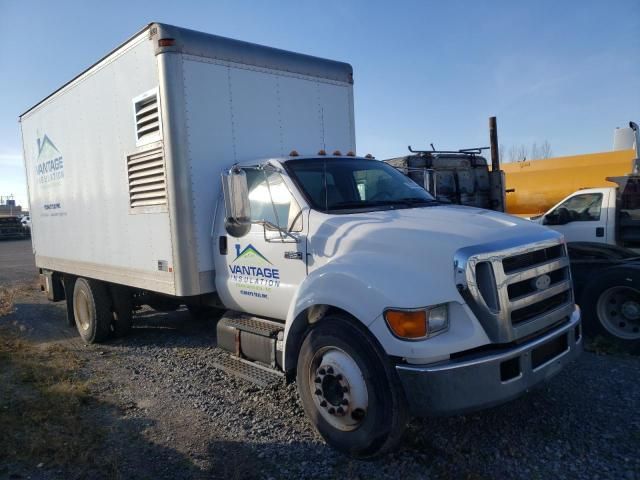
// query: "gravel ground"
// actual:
[[171, 414]]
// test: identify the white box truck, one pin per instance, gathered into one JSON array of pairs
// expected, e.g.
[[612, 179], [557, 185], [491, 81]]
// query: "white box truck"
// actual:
[[189, 169]]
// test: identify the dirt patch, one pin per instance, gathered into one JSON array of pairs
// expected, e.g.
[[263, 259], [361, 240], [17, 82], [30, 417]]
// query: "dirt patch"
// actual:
[[7, 296], [43, 400]]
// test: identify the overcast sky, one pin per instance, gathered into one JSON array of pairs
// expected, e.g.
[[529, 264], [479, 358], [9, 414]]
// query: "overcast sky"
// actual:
[[563, 71]]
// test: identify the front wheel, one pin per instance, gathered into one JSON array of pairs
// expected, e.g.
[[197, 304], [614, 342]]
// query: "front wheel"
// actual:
[[349, 389]]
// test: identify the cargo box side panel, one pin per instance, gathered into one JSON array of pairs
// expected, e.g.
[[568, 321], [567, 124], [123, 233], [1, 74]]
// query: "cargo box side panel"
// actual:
[[238, 113], [76, 145]]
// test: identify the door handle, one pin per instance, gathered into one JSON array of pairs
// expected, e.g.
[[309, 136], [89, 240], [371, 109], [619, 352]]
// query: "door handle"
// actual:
[[222, 244], [599, 231]]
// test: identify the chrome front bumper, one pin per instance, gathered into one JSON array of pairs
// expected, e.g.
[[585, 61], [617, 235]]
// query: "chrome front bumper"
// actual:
[[482, 380]]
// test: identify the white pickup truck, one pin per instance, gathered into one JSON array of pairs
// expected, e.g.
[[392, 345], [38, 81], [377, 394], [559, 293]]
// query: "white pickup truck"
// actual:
[[609, 215], [602, 230], [334, 270]]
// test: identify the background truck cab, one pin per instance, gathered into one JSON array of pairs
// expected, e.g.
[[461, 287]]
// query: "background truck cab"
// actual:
[[609, 215]]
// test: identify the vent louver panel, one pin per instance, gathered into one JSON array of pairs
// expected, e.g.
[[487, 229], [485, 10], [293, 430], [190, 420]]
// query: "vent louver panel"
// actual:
[[147, 184], [147, 118]]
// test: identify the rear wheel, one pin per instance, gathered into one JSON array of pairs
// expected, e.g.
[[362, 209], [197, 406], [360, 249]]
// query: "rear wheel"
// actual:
[[92, 310], [349, 389], [122, 310], [611, 306]]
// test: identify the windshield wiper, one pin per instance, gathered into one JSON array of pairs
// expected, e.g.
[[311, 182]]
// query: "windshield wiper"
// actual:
[[410, 202], [356, 204], [417, 200]]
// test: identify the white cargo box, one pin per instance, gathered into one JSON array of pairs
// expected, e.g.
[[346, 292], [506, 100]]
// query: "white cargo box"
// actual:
[[123, 163]]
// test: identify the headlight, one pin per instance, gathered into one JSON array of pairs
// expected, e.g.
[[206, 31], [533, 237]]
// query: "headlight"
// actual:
[[417, 324]]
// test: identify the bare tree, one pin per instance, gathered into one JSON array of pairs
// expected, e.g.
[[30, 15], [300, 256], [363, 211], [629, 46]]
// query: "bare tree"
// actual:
[[502, 152], [519, 153], [545, 150], [535, 151], [522, 152], [513, 153]]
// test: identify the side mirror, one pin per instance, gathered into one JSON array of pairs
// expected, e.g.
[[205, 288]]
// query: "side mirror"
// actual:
[[560, 216], [564, 216], [236, 202]]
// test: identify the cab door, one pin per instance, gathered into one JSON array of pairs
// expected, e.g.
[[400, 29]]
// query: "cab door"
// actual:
[[259, 272], [581, 217]]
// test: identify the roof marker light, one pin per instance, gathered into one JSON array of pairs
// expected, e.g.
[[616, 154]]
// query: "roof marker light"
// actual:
[[368, 155], [293, 153], [321, 152], [337, 152], [350, 153], [166, 42]]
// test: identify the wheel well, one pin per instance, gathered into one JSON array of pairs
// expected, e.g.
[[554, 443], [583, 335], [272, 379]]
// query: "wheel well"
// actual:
[[303, 323]]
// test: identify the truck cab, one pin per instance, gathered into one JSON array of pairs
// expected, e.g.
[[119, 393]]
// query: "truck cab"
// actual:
[[376, 325], [609, 215]]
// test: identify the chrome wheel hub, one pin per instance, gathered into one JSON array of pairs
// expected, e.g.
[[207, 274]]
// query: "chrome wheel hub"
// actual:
[[338, 388], [81, 310]]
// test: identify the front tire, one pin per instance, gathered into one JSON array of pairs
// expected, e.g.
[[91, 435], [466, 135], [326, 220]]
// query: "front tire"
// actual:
[[92, 310], [350, 390], [122, 311]]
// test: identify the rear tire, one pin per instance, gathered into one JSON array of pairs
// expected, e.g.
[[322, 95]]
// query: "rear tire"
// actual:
[[611, 306], [92, 310], [350, 390], [69, 283], [122, 310]]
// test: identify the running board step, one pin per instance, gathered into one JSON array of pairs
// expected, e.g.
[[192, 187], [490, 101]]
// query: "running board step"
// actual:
[[252, 372], [253, 338], [248, 323]]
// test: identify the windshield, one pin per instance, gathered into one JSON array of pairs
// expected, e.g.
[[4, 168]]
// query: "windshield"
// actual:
[[343, 184]]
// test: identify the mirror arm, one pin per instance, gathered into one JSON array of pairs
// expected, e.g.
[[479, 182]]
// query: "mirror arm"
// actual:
[[275, 210], [283, 234]]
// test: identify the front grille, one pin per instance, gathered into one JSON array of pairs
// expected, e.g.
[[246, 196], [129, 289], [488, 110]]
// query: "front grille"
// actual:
[[530, 259], [526, 287], [516, 292], [540, 308]]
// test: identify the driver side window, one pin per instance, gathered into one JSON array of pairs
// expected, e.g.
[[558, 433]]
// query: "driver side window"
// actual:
[[582, 208], [271, 200]]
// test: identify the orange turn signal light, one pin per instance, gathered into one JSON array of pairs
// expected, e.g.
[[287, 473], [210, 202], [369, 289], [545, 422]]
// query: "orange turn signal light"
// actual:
[[407, 323]]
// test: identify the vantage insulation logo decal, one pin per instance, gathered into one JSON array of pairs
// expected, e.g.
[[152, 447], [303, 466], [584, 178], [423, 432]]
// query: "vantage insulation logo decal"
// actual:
[[50, 164], [253, 272]]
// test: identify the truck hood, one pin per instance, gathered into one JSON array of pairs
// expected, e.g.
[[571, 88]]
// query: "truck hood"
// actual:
[[444, 229], [394, 250]]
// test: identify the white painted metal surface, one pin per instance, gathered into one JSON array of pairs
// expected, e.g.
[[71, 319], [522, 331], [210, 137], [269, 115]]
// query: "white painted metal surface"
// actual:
[[85, 147], [75, 147], [237, 114]]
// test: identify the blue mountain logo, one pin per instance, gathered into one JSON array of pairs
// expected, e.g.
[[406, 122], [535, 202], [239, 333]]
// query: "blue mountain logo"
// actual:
[[46, 145], [50, 164], [250, 253]]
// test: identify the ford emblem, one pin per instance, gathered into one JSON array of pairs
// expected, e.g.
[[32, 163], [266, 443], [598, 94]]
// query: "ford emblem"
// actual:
[[542, 282]]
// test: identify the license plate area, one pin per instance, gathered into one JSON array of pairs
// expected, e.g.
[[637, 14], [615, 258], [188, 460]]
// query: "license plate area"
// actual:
[[550, 350]]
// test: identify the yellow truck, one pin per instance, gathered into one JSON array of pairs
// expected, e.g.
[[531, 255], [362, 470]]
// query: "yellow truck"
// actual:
[[534, 186]]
